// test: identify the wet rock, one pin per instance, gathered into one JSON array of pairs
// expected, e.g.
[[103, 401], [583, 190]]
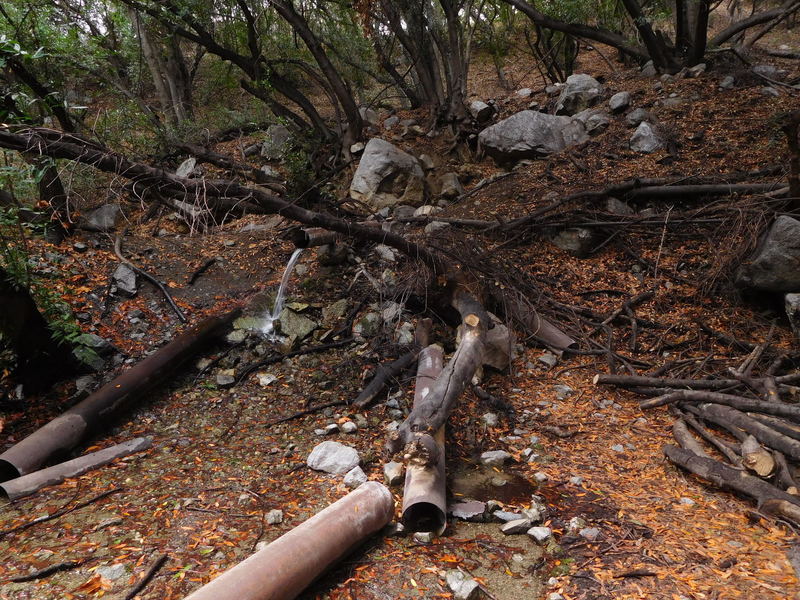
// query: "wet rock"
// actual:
[[473, 511], [516, 527], [636, 116], [333, 457], [530, 134], [450, 186], [773, 266], [393, 473], [580, 92], [481, 111], [274, 517], [577, 241], [334, 312], [645, 139], [277, 142], [294, 325], [387, 176], [619, 102], [495, 458], [124, 279], [103, 219], [355, 477], [540, 534]]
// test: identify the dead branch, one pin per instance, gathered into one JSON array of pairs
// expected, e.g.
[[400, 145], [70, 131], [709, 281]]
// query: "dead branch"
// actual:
[[47, 571], [154, 567]]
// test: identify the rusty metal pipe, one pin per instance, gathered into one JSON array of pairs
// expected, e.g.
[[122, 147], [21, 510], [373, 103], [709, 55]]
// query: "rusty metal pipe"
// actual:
[[424, 495], [315, 236], [288, 565], [62, 434]]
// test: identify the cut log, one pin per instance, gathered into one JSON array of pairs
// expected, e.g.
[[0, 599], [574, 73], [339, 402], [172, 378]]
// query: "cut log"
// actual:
[[424, 496], [431, 414], [283, 569], [766, 494], [738, 402], [686, 440], [33, 482], [755, 458], [66, 431]]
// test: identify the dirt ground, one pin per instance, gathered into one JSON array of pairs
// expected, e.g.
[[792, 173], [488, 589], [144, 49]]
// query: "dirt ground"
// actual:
[[218, 462]]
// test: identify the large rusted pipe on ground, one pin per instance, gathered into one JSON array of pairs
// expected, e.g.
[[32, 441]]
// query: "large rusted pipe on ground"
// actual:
[[66, 431], [288, 565], [424, 496]]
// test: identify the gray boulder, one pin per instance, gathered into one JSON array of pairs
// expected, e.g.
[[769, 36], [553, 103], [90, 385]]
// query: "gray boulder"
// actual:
[[104, 218], [333, 457], [294, 325], [775, 265], [277, 142], [636, 116], [580, 92], [645, 139], [387, 176], [619, 102], [530, 134], [124, 279]]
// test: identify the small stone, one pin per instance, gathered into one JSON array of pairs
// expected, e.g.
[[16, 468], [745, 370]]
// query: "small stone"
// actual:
[[516, 527], [576, 480], [265, 379], [274, 517], [349, 427], [320, 432], [495, 458], [124, 279], [770, 91], [111, 572], [563, 391], [423, 537], [540, 534], [473, 511], [548, 359], [534, 514], [541, 477], [225, 380], [619, 102], [534, 440], [618, 448], [525, 92], [391, 122], [229, 243], [393, 473], [575, 524], [331, 429], [355, 477], [590, 534], [636, 116], [469, 590], [727, 82], [687, 501], [80, 247], [554, 596], [435, 226], [357, 148], [490, 419], [333, 457], [696, 70], [427, 162]]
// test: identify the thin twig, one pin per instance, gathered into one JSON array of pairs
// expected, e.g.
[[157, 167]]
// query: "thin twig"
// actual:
[[148, 575]]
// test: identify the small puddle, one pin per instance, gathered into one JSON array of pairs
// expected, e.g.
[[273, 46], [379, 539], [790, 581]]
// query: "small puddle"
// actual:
[[485, 483]]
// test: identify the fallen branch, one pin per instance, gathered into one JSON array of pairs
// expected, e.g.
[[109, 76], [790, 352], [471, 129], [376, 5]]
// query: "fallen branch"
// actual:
[[148, 575], [47, 571], [146, 275]]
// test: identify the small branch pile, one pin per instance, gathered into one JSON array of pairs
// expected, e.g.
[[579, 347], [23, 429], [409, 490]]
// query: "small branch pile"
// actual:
[[750, 428]]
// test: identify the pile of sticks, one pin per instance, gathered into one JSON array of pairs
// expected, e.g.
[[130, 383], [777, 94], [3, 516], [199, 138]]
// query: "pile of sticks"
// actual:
[[739, 431]]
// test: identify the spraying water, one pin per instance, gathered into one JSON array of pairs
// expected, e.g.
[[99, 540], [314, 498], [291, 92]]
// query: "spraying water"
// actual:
[[269, 321]]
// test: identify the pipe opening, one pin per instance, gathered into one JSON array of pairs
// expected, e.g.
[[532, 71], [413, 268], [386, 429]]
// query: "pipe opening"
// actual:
[[424, 516], [8, 471]]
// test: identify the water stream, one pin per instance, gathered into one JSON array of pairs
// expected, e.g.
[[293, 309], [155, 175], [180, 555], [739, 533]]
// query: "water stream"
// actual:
[[269, 320]]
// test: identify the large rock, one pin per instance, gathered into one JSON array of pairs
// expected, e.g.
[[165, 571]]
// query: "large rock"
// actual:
[[775, 265], [579, 93], [277, 142], [499, 346], [530, 134], [645, 139], [333, 457], [104, 218], [387, 176], [124, 279]]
